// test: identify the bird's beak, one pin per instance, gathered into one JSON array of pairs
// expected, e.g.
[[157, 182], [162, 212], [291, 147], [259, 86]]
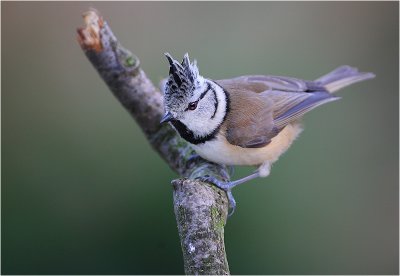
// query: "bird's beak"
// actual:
[[167, 117]]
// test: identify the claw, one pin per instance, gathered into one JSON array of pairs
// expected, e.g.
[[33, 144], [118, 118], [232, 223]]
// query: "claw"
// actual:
[[225, 186], [212, 180], [232, 203]]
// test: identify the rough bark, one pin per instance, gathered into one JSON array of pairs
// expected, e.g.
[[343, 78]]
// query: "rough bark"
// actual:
[[200, 209], [201, 219]]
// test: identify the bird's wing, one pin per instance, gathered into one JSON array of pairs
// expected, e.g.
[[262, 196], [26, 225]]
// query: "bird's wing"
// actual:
[[289, 106], [249, 123], [260, 83], [259, 110]]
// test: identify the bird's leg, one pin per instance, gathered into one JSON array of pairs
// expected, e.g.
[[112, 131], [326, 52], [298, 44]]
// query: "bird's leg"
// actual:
[[231, 170], [227, 187], [262, 171]]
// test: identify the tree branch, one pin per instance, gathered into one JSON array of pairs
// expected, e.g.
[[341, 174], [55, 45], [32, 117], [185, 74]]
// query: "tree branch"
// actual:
[[200, 208]]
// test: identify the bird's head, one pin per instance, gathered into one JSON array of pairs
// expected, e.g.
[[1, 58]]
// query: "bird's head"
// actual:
[[191, 101]]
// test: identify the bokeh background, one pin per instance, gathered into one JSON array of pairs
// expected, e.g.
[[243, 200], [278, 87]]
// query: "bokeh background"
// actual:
[[84, 193]]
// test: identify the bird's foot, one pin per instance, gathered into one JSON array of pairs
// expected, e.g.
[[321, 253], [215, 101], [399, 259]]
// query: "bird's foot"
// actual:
[[226, 186]]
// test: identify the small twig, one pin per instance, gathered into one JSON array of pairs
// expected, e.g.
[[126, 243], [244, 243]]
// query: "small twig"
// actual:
[[200, 209]]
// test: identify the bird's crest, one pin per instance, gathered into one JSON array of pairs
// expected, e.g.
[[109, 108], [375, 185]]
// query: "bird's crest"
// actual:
[[183, 79]]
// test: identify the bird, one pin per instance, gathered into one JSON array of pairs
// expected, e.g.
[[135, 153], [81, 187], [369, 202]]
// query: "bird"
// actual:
[[249, 120]]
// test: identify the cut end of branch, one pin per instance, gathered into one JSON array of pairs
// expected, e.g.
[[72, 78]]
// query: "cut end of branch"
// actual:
[[89, 36]]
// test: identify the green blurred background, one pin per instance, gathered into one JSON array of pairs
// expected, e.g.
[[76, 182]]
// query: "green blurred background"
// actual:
[[84, 193]]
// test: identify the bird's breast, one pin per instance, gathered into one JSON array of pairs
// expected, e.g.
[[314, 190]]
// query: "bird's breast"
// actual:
[[220, 151]]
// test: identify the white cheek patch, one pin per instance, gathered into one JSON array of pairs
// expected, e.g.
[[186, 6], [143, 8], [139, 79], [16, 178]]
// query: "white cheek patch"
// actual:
[[205, 119]]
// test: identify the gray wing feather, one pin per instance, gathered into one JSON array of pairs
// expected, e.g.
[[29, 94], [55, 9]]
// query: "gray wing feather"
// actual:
[[284, 101], [295, 112], [280, 83], [260, 83]]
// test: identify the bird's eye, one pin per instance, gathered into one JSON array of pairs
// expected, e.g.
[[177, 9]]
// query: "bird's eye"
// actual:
[[192, 106]]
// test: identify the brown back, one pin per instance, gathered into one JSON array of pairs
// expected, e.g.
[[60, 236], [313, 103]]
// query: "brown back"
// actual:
[[261, 106]]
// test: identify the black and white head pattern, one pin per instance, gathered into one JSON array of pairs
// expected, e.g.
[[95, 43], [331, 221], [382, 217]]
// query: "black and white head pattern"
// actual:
[[183, 80], [197, 105]]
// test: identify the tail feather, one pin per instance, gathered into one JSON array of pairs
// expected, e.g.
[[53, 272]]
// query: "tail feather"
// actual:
[[342, 77]]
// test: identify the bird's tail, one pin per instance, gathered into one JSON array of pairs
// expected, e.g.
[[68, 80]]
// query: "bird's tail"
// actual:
[[342, 77]]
